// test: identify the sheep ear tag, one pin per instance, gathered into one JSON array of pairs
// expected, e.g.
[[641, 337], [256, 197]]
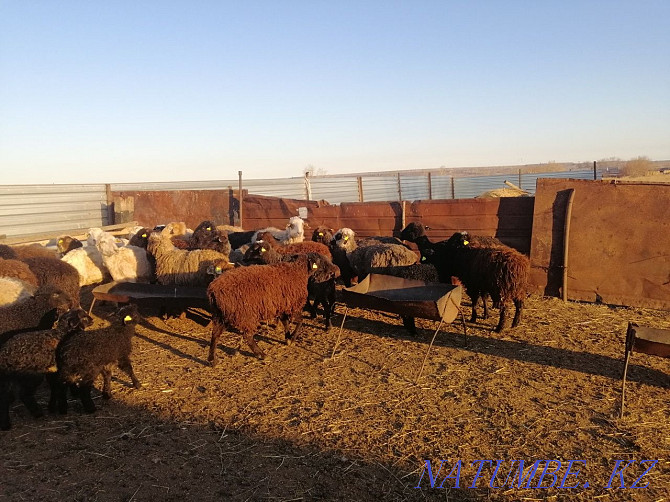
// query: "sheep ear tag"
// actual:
[[314, 265], [262, 250], [423, 258], [320, 234], [127, 319], [208, 228], [465, 243], [346, 237], [144, 235], [217, 269]]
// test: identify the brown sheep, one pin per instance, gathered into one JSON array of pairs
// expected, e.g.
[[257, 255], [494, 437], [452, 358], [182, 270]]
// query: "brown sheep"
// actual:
[[244, 297], [501, 273], [296, 247], [18, 270], [57, 273], [35, 251]]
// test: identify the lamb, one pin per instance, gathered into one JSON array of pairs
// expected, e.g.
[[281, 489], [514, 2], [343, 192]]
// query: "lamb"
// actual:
[[294, 232], [206, 236], [83, 355], [66, 243], [13, 290], [28, 356], [321, 284], [29, 313], [127, 263], [365, 258], [57, 273], [323, 234], [88, 262], [296, 247], [271, 292], [500, 272], [178, 266]]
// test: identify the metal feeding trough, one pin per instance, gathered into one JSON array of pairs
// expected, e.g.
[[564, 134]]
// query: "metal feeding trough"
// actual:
[[652, 341], [406, 297], [124, 292]]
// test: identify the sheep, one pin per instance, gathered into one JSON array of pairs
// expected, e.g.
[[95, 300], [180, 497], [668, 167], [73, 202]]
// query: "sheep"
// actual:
[[294, 232], [29, 313], [178, 266], [206, 236], [35, 251], [17, 269], [365, 258], [140, 238], [228, 229], [323, 234], [88, 262], [26, 357], [13, 290], [344, 239], [271, 292], [57, 273], [239, 239], [501, 273], [127, 263], [296, 247], [83, 355], [340, 259], [66, 243], [237, 255], [321, 284]]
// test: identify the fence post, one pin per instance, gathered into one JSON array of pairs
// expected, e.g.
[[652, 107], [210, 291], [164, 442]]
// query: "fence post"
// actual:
[[519, 184], [308, 187], [241, 197], [399, 190], [110, 204], [595, 171], [453, 189], [430, 189], [359, 180]]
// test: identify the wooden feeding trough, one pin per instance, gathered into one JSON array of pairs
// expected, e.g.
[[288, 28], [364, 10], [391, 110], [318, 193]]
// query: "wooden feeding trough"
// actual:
[[653, 341], [136, 292], [406, 297]]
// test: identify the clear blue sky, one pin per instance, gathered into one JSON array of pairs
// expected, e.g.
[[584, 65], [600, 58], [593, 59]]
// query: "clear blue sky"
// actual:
[[151, 90]]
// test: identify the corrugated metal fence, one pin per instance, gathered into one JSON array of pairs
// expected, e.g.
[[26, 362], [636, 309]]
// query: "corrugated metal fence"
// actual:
[[33, 209]]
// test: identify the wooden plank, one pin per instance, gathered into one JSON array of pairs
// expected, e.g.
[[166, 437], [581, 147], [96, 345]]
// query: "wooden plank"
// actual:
[[32, 238]]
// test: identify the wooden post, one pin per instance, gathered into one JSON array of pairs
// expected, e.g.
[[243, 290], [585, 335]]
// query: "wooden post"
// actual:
[[519, 178], [595, 170], [453, 189], [110, 204], [399, 189], [402, 214], [359, 179], [430, 189], [308, 187], [241, 197]]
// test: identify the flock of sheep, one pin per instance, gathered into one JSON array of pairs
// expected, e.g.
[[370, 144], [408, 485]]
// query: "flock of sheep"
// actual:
[[43, 330]]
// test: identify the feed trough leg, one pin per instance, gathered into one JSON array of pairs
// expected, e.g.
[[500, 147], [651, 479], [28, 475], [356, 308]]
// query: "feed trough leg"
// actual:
[[337, 342], [428, 351], [90, 309]]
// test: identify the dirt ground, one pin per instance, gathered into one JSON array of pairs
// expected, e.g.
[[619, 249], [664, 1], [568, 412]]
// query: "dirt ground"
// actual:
[[302, 426]]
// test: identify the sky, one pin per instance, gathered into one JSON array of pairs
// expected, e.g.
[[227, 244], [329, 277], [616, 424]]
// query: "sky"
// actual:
[[158, 90]]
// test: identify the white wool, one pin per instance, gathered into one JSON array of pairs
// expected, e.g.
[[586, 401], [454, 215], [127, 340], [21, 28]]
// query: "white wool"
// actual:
[[294, 232], [13, 290], [127, 263], [93, 235], [88, 262], [345, 238], [131, 231]]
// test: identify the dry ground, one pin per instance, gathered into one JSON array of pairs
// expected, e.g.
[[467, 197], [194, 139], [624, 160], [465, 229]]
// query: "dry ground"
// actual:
[[300, 426]]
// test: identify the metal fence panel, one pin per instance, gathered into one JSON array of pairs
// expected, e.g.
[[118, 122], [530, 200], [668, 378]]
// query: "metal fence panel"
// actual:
[[33, 209], [335, 190]]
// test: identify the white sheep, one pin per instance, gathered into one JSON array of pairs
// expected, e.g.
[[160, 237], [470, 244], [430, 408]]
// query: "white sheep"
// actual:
[[294, 232], [127, 263], [88, 262]]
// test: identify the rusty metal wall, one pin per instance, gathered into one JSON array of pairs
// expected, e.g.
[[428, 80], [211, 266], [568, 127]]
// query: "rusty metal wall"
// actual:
[[619, 242]]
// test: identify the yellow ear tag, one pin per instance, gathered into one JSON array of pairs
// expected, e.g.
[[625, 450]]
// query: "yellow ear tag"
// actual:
[[262, 250], [127, 318], [346, 237], [208, 228], [423, 258], [320, 234], [314, 265], [60, 241], [465, 243], [144, 235], [218, 269]]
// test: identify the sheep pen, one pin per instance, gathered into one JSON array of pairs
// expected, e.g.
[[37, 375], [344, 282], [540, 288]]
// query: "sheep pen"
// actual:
[[354, 427]]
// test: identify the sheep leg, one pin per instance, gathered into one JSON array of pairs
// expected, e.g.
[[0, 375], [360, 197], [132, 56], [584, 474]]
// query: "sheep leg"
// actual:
[[58, 395], [85, 396], [409, 324], [486, 306], [28, 387], [106, 383], [217, 329], [5, 399], [503, 315], [518, 305], [249, 338], [328, 304], [474, 296], [126, 366], [293, 337]]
